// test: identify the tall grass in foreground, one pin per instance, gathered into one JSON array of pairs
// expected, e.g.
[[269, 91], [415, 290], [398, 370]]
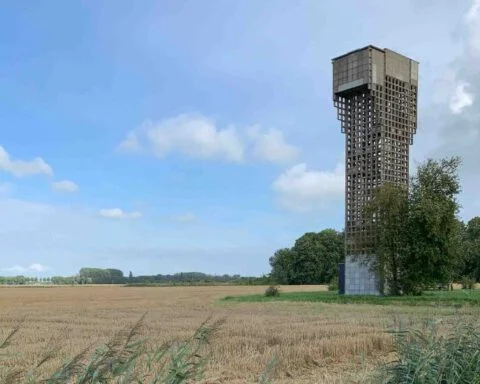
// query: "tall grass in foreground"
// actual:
[[430, 357], [125, 359]]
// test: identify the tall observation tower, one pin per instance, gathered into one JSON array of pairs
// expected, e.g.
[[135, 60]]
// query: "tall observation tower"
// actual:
[[375, 94]]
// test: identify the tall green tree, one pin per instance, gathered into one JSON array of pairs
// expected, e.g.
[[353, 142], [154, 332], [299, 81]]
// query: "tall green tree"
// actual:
[[417, 233], [432, 224]]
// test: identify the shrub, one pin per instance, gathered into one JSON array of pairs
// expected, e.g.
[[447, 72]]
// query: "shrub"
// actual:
[[333, 285], [428, 357], [272, 291]]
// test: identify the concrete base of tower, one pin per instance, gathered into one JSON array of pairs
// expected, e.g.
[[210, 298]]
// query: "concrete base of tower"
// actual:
[[359, 279]]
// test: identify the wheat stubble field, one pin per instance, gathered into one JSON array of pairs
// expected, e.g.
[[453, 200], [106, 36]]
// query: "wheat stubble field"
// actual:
[[313, 342]]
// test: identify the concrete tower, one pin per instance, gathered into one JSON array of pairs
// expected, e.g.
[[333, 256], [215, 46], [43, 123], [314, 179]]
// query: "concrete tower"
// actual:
[[375, 94]]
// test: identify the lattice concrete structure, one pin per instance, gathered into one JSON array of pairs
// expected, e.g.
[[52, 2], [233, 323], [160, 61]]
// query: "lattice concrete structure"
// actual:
[[375, 94]]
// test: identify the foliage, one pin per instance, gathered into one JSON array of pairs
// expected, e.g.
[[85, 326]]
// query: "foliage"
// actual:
[[126, 358], [389, 215], [333, 285], [115, 276], [14, 280], [432, 224], [196, 278], [281, 263], [427, 356], [272, 291], [312, 260], [101, 276], [468, 244], [429, 298], [468, 283], [417, 233]]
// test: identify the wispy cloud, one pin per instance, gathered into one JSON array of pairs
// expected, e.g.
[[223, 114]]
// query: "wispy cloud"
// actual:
[[20, 168], [130, 144], [461, 98], [117, 213], [35, 267], [38, 267], [187, 217], [65, 186], [271, 145]]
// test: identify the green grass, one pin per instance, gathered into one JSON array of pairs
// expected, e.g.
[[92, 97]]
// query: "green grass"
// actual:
[[430, 298]]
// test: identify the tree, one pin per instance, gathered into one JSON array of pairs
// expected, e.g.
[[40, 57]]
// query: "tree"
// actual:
[[388, 214], [312, 260], [281, 266], [468, 244], [115, 276], [473, 250], [19, 280], [417, 234], [432, 224], [130, 275], [100, 276]]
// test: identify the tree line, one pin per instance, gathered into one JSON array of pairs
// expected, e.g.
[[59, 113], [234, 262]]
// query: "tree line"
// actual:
[[116, 276]]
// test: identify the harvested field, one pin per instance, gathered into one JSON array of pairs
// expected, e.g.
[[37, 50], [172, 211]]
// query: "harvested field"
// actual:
[[314, 342]]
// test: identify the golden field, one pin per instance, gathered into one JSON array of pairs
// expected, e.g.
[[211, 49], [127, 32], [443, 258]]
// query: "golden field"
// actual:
[[314, 342]]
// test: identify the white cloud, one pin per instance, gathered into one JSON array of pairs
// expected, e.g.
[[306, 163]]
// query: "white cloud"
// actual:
[[187, 217], [271, 145], [130, 144], [461, 98], [301, 189], [197, 136], [65, 186], [117, 213], [459, 130], [473, 14], [35, 267], [473, 23], [458, 84], [192, 136], [20, 168]]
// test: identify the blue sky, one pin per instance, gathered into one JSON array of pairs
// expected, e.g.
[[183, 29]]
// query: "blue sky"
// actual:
[[167, 136]]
